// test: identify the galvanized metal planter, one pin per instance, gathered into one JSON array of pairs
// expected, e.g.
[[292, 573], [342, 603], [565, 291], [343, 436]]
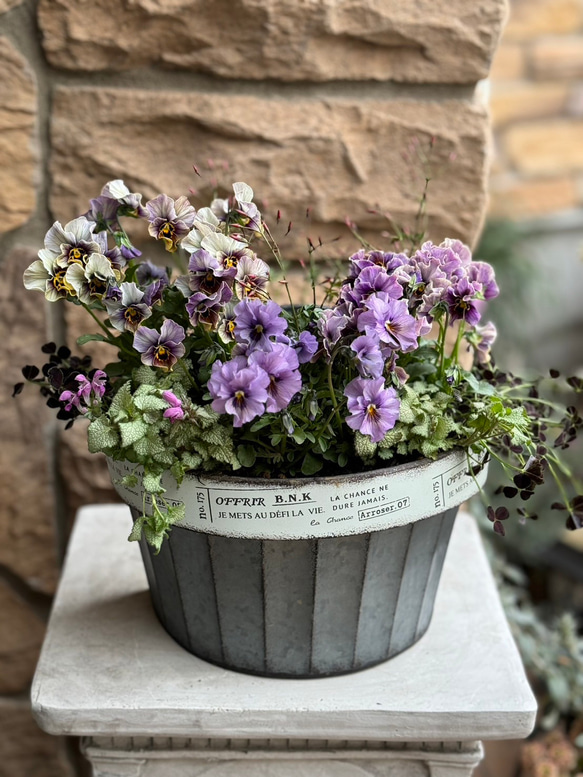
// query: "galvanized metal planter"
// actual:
[[305, 578]]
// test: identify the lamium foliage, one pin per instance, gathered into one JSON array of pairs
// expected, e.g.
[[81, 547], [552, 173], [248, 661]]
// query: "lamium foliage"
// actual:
[[390, 362]]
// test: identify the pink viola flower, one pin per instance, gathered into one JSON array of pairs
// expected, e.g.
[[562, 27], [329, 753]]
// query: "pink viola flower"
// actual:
[[175, 412]]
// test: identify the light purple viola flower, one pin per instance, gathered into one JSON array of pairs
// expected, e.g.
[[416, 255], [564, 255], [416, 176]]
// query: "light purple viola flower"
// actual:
[[369, 360], [170, 220], [175, 412], [389, 320], [331, 326], [373, 408], [207, 274], [460, 249], [257, 322], [127, 314], [116, 199], [484, 338], [388, 260], [160, 349], [371, 280], [147, 272], [206, 310], [451, 257], [305, 346], [115, 255], [154, 292], [461, 301], [483, 273], [113, 294], [281, 365], [239, 389]]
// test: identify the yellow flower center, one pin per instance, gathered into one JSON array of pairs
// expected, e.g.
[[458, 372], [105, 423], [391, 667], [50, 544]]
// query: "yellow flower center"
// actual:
[[239, 397], [132, 315], [372, 411]]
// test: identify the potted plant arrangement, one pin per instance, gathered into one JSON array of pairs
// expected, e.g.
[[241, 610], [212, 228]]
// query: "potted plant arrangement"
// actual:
[[293, 472]]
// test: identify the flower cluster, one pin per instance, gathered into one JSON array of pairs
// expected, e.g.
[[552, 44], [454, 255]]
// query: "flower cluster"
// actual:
[[392, 365]]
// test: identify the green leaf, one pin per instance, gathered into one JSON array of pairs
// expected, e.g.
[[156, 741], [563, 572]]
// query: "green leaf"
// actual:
[[246, 455], [132, 431], [481, 387], [84, 339], [101, 436], [311, 465]]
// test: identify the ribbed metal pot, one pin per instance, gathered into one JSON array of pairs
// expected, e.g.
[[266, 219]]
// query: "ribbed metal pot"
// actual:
[[299, 608]]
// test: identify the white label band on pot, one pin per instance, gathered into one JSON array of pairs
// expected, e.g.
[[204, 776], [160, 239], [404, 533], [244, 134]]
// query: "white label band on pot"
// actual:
[[313, 507]]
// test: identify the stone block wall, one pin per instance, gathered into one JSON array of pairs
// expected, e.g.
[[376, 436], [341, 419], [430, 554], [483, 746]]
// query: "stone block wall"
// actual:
[[537, 111], [326, 104]]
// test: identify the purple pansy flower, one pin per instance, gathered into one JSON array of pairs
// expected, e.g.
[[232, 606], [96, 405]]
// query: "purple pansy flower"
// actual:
[[116, 199], [257, 322], [206, 274], [369, 360], [281, 365], [374, 409], [239, 389], [154, 292], [484, 338], [390, 321], [461, 302], [371, 280], [160, 349], [206, 310], [331, 326], [170, 220], [483, 273], [305, 346], [147, 272], [175, 412], [128, 313]]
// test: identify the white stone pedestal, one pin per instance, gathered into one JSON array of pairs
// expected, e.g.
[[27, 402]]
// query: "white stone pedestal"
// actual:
[[147, 708]]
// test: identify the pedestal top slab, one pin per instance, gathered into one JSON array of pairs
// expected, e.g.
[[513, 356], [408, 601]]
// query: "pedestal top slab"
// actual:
[[108, 667]]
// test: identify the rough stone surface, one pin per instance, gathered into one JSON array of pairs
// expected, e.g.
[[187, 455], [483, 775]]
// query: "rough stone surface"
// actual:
[[531, 18], [339, 156], [18, 153], [283, 39], [546, 147], [21, 635], [25, 751], [6, 5], [508, 63], [558, 57], [510, 102], [27, 544], [531, 198]]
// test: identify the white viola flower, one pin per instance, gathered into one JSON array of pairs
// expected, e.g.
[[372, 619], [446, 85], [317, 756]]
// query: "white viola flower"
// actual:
[[91, 282], [228, 251], [205, 223], [249, 215], [47, 276], [220, 209], [252, 278], [127, 313], [74, 243]]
